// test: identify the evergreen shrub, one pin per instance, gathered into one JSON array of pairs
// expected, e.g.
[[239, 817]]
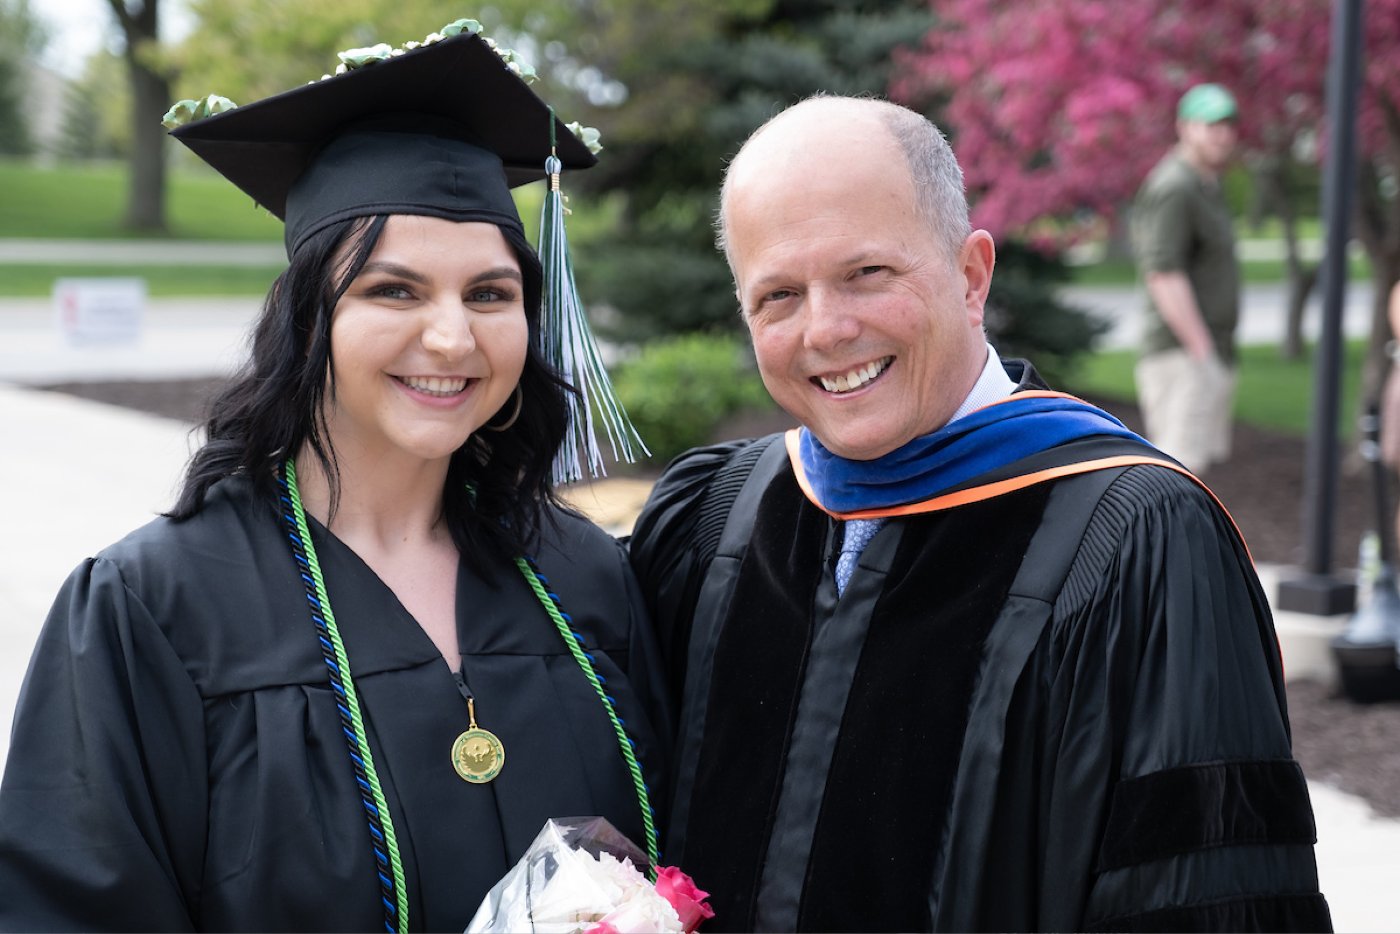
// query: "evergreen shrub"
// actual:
[[679, 390]]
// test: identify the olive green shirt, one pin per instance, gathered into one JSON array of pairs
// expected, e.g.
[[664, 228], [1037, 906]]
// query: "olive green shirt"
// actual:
[[1181, 224]]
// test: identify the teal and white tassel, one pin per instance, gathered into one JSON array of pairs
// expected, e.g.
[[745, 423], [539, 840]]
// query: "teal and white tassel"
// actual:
[[567, 344]]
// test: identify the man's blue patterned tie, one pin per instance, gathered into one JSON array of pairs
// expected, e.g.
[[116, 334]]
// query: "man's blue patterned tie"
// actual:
[[859, 532]]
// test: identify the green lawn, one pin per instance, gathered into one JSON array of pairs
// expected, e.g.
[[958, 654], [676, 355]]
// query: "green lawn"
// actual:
[[1273, 393], [86, 202]]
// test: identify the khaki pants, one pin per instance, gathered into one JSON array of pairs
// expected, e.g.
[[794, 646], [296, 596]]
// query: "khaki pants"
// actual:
[[1390, 417], [1187, 406]]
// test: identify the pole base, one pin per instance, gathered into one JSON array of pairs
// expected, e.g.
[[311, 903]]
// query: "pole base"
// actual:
[[1367, 661], [1368, 673], [1318, 595]]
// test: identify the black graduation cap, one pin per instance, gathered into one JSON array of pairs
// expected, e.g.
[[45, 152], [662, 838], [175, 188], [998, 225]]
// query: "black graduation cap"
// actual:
[[445, 129]]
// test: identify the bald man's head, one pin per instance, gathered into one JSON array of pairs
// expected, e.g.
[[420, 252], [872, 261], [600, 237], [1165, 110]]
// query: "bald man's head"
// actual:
[[821, 130]]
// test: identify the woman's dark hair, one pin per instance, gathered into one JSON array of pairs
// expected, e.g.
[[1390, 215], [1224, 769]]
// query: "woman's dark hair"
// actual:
[[498, 483]]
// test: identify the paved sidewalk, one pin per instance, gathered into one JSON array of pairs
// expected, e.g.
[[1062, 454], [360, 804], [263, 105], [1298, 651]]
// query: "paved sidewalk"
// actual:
[[182, 337]]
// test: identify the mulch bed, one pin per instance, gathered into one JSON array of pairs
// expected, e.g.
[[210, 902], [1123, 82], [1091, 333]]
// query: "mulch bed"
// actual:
[[1355, 747], [1351, 746]]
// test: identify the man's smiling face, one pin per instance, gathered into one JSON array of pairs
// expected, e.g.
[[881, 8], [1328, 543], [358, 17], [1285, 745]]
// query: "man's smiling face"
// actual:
[[865, 330]]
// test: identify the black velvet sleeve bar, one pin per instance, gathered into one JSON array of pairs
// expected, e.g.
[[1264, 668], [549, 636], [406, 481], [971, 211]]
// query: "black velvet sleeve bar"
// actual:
[[1200, 806], [1269, 913]]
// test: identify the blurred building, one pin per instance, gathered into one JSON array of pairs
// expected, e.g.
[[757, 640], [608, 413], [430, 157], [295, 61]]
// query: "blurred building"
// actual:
[[45, 102]]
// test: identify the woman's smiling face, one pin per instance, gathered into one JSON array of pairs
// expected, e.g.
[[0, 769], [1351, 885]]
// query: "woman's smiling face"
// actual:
[[429, 340]]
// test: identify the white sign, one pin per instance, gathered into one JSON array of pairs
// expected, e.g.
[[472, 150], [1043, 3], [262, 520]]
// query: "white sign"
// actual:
[[99, 311]]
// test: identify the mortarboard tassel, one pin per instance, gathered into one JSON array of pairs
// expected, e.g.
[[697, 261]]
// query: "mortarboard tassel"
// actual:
[[567, 344]]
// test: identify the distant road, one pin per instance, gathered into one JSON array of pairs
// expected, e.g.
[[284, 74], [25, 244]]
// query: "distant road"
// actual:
[[143, 252], [1263, 310]]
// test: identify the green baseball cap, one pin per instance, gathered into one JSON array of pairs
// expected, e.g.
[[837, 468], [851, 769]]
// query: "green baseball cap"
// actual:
[[1207, 103]]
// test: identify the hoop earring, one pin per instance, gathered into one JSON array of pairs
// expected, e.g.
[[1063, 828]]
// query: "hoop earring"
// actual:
[[519, 402]]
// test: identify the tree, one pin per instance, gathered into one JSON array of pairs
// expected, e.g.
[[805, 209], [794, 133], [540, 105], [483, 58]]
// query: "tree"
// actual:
[[95, 121], [22, 37], [1378, 203], [675, 86], [148, 77], [1026, 318], [1060, 109], [249, 49], [15, 137]]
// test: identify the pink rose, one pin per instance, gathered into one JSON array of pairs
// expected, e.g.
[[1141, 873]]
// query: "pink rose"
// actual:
[[601, 927], [688, 901]]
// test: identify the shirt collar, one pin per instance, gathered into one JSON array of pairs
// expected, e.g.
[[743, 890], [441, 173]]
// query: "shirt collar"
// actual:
[[992, 385]]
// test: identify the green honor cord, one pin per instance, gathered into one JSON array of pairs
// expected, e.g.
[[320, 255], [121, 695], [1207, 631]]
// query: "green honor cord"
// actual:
[[351, 702], [585, 662], [350, 709]]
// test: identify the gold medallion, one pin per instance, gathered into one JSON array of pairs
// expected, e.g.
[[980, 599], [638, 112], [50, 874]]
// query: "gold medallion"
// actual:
[[477, 755]]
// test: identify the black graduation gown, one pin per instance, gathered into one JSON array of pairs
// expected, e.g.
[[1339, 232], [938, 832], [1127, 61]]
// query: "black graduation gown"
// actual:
[[177, 761], [932, 751]]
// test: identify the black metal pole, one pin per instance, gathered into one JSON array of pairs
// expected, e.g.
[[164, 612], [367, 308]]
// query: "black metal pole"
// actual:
[[1322, 593]]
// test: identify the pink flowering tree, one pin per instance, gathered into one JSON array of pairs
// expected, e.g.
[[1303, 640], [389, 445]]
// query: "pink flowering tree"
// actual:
[[1058, 110]]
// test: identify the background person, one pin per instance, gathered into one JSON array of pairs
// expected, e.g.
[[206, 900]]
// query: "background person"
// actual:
[[1390, 402], [1184, 239], [328, 691], [961, 653]]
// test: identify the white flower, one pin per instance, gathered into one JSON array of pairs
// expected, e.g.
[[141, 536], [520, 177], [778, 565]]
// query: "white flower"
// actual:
[[559, 887], [578, 893], [457, 27], [188, 111], [617, 876], [585, 889], [644, 912], [587, 135], [355, 58], [637, 908]]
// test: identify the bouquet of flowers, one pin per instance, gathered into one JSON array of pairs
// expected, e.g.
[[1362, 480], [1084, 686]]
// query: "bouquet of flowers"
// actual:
[[581, 876]]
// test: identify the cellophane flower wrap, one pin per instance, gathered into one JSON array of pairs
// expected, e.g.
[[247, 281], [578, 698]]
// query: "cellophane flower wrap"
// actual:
[[582, 875]]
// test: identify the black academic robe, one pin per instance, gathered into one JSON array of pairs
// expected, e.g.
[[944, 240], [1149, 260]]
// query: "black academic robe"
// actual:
[[932, 750], [177, 762]]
